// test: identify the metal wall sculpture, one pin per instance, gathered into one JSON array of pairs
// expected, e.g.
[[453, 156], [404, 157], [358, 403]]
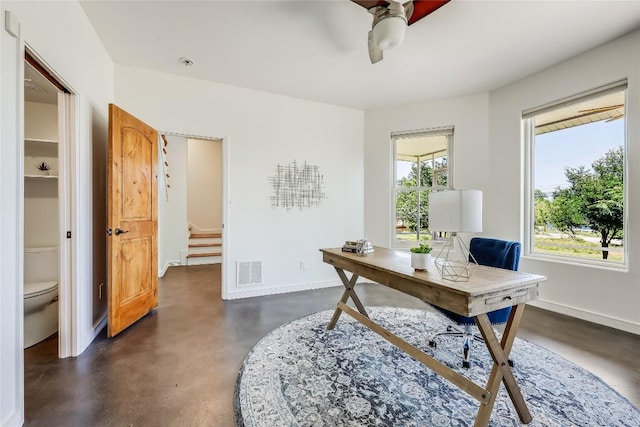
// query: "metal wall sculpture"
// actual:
[[297, 186]]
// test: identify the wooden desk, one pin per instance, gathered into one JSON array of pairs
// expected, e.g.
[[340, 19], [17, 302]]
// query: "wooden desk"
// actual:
[[488, 289]]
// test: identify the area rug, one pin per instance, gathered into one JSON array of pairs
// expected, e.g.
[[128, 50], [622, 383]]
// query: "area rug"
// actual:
[[301, 374]]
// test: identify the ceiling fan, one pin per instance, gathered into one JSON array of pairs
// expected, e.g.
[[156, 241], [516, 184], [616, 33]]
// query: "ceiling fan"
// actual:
[[390, 20]]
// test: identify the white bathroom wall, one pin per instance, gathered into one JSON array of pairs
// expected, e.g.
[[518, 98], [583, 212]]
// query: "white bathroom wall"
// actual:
[[204, 184], [41, 213], [262, 130], [40, 194], [602, 295], [43, 121], [172, 205]]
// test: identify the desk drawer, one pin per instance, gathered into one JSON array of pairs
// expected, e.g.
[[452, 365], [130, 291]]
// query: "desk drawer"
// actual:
[[507, 298]]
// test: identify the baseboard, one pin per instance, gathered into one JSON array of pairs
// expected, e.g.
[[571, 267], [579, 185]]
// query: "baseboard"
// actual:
[[262, 291], [589, 316], [87, 338], [163, 270], [91, 334], [102, 323], [16, 419]]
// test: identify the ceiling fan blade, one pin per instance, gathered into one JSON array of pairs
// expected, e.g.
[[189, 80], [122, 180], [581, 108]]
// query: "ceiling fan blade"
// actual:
[[375, 53], [421, 8]]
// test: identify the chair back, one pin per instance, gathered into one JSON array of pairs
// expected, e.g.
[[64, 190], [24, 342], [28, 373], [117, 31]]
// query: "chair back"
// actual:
[[495, 253]]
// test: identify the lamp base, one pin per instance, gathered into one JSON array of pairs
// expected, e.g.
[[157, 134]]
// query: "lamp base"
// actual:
[[452, 262], [456, 271]]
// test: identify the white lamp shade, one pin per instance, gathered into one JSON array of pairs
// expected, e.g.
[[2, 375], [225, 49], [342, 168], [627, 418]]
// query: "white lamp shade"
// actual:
[[389, 32], [456, 211]]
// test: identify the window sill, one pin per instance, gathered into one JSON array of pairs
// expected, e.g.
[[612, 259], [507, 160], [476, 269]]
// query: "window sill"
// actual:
[[622, 268]]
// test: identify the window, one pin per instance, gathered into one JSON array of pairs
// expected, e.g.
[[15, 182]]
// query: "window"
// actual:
[[421, 165], [577, 159]]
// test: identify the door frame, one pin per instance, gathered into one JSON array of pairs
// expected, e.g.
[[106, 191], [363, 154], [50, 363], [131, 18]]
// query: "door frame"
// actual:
[[226, 225], [69, 296], [77, 317]]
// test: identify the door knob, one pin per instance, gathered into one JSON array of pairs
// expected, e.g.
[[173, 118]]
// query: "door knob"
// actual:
[[119, 231]]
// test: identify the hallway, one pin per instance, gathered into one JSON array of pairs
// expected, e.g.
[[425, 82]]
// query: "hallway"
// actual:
[[178, 365]]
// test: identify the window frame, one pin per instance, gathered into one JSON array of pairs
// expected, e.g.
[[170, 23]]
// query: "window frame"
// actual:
[[449, 132], [528, 139]]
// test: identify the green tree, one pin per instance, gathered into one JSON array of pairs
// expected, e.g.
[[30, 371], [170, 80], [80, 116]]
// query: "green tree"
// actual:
[[542, 210], [407, 201], [565, 211], [594, 198]]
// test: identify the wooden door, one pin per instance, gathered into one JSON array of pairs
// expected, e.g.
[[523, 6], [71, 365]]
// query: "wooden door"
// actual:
[[132, 220]]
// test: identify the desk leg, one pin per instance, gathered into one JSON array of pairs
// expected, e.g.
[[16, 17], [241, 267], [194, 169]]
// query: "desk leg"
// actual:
[[501, 372], [349, 285]]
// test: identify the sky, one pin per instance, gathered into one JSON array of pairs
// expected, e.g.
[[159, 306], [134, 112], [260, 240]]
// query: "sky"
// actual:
[[573, 147]]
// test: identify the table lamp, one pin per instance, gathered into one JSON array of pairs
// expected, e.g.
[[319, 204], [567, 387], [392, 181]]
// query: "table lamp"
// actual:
[[455, 211]]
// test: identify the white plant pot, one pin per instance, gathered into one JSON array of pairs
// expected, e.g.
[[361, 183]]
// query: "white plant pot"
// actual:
[[421, 262]]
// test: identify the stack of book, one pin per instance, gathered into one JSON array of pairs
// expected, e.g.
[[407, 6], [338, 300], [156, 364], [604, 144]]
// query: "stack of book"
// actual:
[[360, 247]]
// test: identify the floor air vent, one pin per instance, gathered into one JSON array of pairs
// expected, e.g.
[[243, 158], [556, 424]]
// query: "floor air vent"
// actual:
[[249, 273]]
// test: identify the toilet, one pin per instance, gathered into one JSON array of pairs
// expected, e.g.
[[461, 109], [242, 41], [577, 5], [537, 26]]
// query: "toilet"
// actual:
[[40, 294]]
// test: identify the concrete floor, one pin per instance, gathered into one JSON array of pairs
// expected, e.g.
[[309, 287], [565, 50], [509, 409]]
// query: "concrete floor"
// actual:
[[178, 365]]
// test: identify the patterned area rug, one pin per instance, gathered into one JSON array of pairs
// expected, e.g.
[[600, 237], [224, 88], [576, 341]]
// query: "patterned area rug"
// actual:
[[303, 375]]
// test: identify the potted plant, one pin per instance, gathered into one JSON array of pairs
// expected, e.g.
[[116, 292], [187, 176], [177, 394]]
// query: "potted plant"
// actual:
[[44, 167], [421, 257]]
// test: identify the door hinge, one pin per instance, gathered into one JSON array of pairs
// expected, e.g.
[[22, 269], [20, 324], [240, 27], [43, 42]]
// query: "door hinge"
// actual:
[[68, 234]]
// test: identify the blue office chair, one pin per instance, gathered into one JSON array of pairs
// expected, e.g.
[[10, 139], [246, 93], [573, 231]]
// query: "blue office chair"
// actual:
[[492, 253]]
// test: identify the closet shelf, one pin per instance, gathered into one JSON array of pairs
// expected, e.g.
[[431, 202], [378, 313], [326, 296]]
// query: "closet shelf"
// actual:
[[37, 140], [41, 176]]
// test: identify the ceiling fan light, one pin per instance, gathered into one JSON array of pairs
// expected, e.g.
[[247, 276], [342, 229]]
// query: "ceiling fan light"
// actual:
[[389, 32]]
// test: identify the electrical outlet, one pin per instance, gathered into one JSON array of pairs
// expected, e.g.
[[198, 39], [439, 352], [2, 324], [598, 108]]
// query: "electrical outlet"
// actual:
[[302, 265]]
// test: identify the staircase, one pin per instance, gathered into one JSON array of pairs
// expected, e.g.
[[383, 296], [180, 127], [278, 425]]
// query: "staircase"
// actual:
[[204, 248]]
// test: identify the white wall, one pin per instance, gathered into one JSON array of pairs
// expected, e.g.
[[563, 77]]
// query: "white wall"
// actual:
[[11, 255], [61, 34], [468, 115], [173, 228], [262, 130], [204, 184], [598, 294], [488, 155]]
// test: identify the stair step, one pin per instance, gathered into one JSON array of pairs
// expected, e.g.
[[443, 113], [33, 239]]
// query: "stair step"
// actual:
[[206, 236], [204, 255], [204, 245]]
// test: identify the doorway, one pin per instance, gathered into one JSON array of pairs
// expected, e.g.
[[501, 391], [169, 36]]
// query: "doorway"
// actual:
[[204, 201], [191, 190], [48, 114]]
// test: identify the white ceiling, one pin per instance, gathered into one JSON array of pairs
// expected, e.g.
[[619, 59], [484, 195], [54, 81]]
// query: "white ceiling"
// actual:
[[317, 50]]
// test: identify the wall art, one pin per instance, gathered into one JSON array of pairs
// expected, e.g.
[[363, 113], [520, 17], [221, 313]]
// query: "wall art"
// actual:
[[297, 186]]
